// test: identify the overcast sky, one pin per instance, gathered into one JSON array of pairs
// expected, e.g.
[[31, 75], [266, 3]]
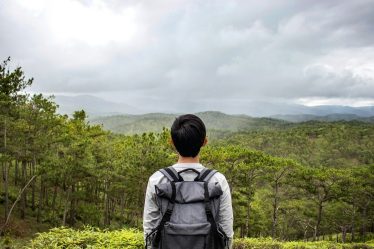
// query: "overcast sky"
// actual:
[[191, 55]]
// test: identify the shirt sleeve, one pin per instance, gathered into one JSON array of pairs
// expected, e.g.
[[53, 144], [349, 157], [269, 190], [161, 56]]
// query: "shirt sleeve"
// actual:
[[226, 219], [151, 214]]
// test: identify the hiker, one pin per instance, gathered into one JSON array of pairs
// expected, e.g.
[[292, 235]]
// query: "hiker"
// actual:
[[188, 206]]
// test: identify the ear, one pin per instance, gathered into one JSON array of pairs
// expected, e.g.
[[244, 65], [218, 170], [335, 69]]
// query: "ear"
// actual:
[[205, 141]]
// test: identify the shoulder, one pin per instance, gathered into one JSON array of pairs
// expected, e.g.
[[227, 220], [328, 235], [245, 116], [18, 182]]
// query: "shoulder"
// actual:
[[156, 174], [155, 177], [153, 180], [219, 177]]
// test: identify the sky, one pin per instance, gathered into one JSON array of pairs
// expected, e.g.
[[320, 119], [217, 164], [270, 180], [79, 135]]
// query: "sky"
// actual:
[[190, 55]]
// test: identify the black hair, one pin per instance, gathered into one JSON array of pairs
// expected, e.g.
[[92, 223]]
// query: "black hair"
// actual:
[[188, 133]]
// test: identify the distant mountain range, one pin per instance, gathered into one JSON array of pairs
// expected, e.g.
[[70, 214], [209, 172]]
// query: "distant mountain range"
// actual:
[[269, 109], [96, 106], [126, 119], [215, 121], [154, 122]]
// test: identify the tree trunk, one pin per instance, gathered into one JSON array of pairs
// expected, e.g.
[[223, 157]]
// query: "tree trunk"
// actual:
[[122, 205], [16, 173], [40, 203], [106, 204], [46, 198], [72, 206], [247, 226], [319, 218], [14, 204], [353, 224], [344, 233], [5, 172], [363, 227], [33, 188], [305, 233], [23, 195], [6, 192], [112, 207], [275, 210], [54, 197], [66, 208]]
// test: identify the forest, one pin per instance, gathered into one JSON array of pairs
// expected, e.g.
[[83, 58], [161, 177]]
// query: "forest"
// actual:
[[310, 181]]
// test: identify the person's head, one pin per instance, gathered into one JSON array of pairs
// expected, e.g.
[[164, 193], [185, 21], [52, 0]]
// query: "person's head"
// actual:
[[188, 134]]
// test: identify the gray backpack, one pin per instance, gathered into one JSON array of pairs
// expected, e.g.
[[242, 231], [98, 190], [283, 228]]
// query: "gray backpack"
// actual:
[[189, 213]]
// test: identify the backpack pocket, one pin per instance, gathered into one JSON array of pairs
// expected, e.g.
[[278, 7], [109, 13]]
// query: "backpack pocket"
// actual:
[[185, 236]]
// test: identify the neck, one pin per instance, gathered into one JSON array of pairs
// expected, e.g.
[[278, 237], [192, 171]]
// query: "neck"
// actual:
[[182, 159]]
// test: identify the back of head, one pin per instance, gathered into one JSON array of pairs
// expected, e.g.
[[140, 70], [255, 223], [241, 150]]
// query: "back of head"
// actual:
[[188, 133]]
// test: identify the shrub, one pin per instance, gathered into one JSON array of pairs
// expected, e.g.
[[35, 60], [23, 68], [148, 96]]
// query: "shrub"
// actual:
[[267, 243], [90, 237]]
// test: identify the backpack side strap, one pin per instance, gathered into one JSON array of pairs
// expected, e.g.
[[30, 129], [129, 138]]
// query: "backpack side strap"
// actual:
[[209, 215], [167, 215], [215, 237]]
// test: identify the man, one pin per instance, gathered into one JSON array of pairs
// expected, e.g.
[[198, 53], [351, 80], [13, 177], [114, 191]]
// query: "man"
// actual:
[[188, 135]]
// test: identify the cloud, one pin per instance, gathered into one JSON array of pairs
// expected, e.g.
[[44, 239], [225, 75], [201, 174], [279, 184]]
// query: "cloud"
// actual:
[[342, 73], [193, 52]]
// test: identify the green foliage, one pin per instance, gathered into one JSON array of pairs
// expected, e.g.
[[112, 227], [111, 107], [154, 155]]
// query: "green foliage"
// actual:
[[88, 237], [267, 243], [335, 144], [125, 239]]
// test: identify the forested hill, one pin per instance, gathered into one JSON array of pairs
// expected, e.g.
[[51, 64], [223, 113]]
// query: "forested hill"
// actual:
[[338, 144], [154, 122], [218, 121], [325, 118], [315, 142]]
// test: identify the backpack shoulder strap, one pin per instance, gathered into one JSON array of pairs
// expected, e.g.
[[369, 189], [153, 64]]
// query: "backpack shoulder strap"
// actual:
[[205, 175], [171, 174]]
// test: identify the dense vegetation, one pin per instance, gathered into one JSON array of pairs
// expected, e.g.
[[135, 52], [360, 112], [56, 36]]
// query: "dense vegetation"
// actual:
[[333, 144], [131, 239], [291, 182], [327, 118]]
